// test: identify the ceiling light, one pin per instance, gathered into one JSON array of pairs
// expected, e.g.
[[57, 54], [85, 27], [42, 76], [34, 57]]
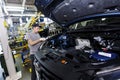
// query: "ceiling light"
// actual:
[[22, 14], [13, 8]]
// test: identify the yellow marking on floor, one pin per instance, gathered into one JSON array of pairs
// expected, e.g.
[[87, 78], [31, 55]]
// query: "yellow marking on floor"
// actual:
[[17, 55], [30, 70]]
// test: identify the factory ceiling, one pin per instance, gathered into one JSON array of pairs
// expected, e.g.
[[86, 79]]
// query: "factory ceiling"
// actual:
[[20, 7]]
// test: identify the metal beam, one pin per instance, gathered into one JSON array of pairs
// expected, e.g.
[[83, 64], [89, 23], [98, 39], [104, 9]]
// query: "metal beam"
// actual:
[[23, 3], [13, 75], [6, 48]]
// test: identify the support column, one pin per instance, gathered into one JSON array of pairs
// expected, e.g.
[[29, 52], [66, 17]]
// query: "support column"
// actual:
[[6, 49]]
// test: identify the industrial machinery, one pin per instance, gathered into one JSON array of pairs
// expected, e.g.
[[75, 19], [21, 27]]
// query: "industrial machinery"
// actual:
[[88, 47]]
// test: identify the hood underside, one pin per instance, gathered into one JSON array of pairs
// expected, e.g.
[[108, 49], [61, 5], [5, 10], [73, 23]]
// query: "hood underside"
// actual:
[[67, 12]]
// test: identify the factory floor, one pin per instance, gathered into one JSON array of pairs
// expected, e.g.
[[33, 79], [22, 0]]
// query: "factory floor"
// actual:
[[25, 69]]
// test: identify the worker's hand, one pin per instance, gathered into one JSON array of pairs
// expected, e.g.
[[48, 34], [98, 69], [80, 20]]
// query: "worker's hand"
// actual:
[[42, 39], [47, 37]]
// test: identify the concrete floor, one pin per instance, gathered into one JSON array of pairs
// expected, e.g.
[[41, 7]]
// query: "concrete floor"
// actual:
[[26, 70]]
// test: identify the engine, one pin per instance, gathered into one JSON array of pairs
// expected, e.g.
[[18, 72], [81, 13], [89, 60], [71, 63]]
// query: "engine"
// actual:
[[80, 56]]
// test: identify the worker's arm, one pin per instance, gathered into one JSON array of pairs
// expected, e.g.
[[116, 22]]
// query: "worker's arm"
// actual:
[[31, 42]]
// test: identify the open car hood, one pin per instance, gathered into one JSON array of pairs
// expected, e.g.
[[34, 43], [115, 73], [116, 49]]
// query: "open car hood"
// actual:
[[67, 12]]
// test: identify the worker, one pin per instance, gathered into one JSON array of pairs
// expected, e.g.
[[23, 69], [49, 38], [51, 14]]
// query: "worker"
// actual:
[[34, 41]]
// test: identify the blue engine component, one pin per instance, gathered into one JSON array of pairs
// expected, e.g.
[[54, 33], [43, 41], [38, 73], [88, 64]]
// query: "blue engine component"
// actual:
[[103, 56], [63, 41]]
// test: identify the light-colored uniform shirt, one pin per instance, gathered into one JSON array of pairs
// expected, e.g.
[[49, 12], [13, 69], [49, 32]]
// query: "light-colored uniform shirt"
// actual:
[[33, 37]]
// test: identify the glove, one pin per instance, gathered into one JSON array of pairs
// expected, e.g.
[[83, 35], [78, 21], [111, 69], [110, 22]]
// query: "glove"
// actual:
[[42, 39]]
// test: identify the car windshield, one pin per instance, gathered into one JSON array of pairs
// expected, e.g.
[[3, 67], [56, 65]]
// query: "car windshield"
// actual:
[[96, 22]]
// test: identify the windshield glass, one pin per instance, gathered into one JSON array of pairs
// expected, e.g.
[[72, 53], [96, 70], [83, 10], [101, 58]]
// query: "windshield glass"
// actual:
[[96, 22]]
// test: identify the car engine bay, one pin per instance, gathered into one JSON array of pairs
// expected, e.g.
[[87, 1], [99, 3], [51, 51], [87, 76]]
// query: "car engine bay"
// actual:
[[95, 54], [105, 44]]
